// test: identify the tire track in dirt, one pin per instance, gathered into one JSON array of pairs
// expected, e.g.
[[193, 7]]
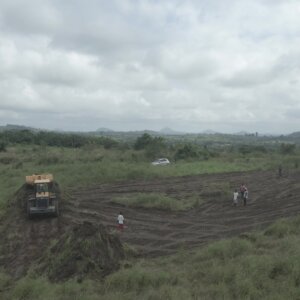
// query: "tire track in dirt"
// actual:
[[156, 232]]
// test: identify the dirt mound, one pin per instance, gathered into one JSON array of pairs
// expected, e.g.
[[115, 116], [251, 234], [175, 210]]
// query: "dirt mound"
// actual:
[[85, 251]]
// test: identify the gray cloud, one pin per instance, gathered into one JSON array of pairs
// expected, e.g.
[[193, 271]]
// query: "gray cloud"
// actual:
[[294, 113], [40, 17], [192, 65]]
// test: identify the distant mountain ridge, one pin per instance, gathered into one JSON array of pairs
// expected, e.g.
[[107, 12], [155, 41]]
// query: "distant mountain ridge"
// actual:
[[295, 134], [104, 129], [164, 131], [17, 127], [167, 130]]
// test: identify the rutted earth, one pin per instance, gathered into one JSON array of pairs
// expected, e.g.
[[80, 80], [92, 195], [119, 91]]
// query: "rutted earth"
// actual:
[[154, 232]]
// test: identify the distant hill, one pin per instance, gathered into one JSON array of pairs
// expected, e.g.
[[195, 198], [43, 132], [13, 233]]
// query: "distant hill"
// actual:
[[295, 134], [209, 131], [167, 130], [103, 129], [17, 127], [241, 133]]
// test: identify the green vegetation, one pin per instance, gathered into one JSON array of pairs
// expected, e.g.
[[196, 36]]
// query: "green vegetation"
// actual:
[[259, 265], [84, 160], [160, 201], [93, 165], [49, 138], [262, 265]]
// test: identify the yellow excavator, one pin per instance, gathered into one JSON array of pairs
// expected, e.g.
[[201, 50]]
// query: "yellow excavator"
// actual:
[[43, 200]]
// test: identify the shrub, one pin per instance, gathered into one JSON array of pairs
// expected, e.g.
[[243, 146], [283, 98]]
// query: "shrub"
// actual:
[[28, 288], [3, 146], [6, 160], [287, 148], [187, 151], [48, 160], [279, 229], [5, 281], [138, 279], [143, 141]]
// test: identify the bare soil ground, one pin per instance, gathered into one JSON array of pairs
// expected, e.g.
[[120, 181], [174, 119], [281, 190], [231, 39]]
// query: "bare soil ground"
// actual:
[[154, 232]]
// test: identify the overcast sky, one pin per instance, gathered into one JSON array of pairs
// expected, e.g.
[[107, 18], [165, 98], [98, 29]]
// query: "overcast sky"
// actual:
[[132, 65]]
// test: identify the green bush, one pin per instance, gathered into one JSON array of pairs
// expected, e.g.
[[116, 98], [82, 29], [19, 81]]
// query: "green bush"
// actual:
[[279, 229], [5, 281], [287, 148], [138, 279], [186, 152], [143, 141], [154, 146], [29, 289], [3, 146], [6, 160], [48, 160]]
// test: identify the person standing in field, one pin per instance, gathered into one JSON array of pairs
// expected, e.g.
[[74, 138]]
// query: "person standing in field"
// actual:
[[242, 190], [235, 197], [245, 197], [120, 220], [280, 171]]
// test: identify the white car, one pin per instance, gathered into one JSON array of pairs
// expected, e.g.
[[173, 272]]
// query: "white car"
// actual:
[[160, 161]]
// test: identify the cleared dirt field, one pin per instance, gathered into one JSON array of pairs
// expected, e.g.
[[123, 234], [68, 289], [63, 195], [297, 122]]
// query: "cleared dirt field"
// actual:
[[154, 232]]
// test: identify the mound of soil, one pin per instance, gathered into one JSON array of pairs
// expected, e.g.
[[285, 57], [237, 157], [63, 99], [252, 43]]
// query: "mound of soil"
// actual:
[[87, 251]]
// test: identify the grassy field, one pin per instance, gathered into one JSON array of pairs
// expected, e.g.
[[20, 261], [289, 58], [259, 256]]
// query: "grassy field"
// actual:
[[261, 265], [93, 165]]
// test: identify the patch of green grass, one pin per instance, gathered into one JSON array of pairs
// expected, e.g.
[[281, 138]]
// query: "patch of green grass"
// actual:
[[159, 201], [137, 279], [30, 288], [283, 227]]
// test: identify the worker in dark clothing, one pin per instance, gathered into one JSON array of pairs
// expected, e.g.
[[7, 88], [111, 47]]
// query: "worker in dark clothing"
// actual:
[[245, 197], [280, 171]]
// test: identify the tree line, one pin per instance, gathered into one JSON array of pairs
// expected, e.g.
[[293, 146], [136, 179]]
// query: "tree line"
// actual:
[[152, 146], [49, 138]]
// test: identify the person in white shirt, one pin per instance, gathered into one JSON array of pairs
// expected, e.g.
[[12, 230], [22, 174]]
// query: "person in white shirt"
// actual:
[[120, 220], [235, 197]]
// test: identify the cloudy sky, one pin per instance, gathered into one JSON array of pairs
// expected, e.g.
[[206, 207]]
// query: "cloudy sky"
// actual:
[[147, 64]]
